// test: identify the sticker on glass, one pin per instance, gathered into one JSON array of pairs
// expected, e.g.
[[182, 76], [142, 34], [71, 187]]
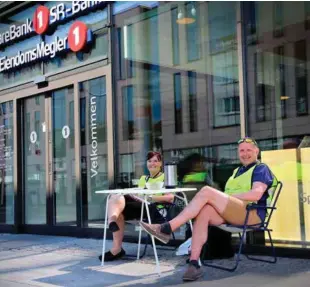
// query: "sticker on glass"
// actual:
[[33, 137], [65, 132]]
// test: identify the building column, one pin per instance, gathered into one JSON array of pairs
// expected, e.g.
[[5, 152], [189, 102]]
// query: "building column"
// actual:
[[241, 49]]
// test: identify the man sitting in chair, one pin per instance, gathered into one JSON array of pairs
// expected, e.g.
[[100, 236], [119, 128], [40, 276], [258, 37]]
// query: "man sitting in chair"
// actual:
[[249, 183]]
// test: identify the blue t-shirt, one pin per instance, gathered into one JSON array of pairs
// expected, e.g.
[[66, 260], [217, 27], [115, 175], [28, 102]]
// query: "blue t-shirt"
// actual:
[[262, 174]]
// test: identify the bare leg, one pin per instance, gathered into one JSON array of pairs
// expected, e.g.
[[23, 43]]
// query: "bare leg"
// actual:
[[118, 236], [116, 207], [207, 195], [208, 215]]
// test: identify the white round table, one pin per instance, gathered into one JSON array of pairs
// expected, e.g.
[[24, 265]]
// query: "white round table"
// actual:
[[144, 193]]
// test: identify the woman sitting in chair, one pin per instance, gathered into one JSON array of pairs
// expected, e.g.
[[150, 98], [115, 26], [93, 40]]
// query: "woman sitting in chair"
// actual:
[[123, 208]]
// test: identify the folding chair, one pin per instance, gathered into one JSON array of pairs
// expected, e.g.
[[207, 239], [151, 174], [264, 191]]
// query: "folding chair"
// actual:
[[243, 229]]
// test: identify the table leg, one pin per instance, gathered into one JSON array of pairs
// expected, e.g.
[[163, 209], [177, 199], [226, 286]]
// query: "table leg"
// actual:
[[105, 229], [152, 237], [140, 230]]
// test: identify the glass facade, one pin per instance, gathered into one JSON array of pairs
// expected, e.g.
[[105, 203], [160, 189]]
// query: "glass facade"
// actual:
[[185, 88], [191, 103], [6, 163], [181, 77], [278, 103]]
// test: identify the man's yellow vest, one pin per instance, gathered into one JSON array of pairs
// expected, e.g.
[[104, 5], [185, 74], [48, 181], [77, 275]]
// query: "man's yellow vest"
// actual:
[[243, 183]]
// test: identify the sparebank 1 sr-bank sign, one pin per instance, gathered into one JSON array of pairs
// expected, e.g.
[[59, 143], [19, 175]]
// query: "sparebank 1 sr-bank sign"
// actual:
[[43, 19]]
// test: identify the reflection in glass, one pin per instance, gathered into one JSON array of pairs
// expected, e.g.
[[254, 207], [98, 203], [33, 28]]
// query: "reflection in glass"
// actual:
[[34, 160], [279, 98], [128, 113], [278, 30], [175, 37], [63, 157], [192, 94], [6, 164], [223, 50], [192, 32], [162, 106], [307, 14], [280, 66], [178, 103], [301, 79]]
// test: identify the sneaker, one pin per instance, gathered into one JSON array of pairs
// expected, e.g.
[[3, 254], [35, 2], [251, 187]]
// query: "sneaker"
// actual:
[[154, 230], [192, 273], [108, 256]]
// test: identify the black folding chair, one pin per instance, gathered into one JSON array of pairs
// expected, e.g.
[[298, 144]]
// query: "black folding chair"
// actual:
[[243, 229]]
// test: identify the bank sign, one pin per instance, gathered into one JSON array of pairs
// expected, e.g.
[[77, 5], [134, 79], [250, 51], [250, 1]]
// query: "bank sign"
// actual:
[[45, 18]]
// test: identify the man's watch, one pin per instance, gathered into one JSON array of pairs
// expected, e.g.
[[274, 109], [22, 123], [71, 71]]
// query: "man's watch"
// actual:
[[150, 198]]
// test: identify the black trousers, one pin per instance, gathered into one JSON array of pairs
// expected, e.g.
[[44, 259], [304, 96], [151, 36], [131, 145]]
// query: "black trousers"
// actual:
[[133, 211]]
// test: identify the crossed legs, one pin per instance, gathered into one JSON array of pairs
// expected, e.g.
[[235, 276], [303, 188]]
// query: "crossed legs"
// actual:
[[207, 196], [207, 216], [209, 206]]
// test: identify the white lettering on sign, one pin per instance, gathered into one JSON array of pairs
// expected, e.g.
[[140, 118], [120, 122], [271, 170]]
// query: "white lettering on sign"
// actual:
[[16, 32], [57, 13], [78, 6], [42, 50], [33, 137], [65, 132], [94, 142], [76, 35], [40, 18]]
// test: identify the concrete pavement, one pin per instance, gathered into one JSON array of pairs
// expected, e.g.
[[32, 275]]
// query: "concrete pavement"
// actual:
[[35, 260]]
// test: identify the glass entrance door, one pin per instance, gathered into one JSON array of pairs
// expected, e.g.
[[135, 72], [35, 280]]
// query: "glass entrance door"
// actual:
[[34, 138], [49, 159], [62, 156]]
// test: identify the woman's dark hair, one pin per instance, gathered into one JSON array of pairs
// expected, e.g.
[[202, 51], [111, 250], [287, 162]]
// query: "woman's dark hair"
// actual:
[[151, 154]]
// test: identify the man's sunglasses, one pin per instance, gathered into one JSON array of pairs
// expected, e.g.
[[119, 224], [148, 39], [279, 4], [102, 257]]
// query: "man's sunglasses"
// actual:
[[247, 140]]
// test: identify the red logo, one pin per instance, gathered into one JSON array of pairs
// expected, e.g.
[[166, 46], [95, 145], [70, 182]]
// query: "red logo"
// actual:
[[41, 19], [77, 36]]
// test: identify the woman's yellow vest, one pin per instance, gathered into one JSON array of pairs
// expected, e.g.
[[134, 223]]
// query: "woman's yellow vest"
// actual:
[[144, 179], [243, 183]]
